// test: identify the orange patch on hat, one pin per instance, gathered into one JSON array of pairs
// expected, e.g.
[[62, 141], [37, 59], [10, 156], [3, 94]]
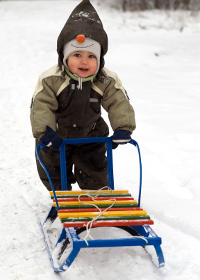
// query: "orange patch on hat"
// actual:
[[80, 38]]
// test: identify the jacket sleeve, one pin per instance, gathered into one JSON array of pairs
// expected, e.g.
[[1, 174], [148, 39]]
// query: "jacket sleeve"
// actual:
[[44, 103], [116, 102]]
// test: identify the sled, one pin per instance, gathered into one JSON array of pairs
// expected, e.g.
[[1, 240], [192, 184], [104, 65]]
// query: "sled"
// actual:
[[79, 211]]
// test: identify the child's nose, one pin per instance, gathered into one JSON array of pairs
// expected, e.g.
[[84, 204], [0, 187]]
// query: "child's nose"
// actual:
[[84, 61]]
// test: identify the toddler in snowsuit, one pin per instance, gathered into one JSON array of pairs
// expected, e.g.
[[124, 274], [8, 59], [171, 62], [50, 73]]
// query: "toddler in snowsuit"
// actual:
[[67, 103]]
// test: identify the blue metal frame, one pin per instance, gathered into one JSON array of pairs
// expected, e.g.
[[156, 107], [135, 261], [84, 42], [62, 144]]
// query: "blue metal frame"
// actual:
[[133, 142], [108, 142], [149, 237], [39, 147]]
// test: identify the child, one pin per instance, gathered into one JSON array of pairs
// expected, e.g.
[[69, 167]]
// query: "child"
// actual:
[[67, 103]]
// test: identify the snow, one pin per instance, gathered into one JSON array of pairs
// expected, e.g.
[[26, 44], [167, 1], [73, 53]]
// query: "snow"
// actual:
[[156, 55]]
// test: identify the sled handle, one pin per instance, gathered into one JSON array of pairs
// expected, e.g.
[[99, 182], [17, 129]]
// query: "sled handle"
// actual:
[[133, 142], [106, 140], [63, 170], [38, 148]]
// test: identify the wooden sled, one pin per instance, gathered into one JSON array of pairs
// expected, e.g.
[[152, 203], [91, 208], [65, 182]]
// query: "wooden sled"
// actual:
[[81, 210]]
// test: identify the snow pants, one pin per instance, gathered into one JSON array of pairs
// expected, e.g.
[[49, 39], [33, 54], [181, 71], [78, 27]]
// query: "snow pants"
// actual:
[[86, 164]]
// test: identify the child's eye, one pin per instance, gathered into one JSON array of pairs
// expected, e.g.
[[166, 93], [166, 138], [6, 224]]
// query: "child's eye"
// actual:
[[77, 55], [92, 56]]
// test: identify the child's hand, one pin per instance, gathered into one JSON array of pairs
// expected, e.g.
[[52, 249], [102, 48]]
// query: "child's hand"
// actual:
[[120, 137], [51, 139]]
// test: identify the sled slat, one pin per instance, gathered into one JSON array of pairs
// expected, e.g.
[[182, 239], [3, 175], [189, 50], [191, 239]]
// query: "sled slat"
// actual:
[[100, 195], [108, 202], [90, 192], [87, 219], [112, 223], [107, 213], [92, 206], [90, 199], [96, 210]]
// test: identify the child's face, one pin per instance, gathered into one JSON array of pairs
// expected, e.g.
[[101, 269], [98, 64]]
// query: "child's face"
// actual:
[[82, 63]]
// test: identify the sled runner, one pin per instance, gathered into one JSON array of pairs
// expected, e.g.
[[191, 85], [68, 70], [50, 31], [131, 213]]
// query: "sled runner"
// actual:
[[79, 211]]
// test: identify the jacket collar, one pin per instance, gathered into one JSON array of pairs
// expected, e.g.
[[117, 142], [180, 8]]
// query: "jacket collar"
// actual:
[[79, 79]]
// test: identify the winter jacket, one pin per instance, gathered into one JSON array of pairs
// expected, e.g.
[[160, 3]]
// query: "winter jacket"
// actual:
[[74, 113]]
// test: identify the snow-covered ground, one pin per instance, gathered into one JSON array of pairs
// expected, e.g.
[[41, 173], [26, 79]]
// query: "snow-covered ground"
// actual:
[[156, 55]]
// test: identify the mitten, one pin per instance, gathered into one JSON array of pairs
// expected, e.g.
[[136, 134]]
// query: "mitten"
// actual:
[[51, 139], [120, 137]]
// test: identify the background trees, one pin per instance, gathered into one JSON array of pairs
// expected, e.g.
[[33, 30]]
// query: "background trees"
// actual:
[[133, 5]]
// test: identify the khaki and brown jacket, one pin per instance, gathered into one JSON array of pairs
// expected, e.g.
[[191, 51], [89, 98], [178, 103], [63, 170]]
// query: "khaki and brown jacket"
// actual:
[[73, 112]]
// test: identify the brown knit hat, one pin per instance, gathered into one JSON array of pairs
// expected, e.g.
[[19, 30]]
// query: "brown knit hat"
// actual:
[[83, 20]]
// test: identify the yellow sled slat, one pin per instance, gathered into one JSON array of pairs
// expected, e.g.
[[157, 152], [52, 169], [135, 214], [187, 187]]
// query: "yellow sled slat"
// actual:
[[105, 214], [89, 191], [77, 203]]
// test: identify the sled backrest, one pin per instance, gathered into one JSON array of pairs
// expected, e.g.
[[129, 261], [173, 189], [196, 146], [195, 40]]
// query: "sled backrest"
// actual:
[[106, 140], [63, 170]]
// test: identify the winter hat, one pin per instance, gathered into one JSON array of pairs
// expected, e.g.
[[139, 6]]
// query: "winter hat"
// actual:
[[83, 20], [82, 44]]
